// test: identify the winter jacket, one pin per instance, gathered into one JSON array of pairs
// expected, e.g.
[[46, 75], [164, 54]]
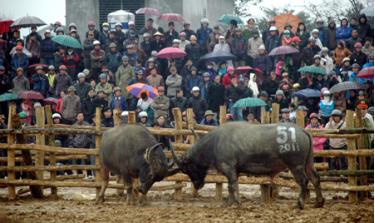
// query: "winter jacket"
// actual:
[[215, 96], [40, 83], [191, 81], [88, 47], [264, 63], [71, 105], [97, 58], [332, 37], [170, 36], [336, 143], [180, 102], [118, 102], [317, 142], [227, 79], [155, 81], [157, 45], [4, 84], [343, 33], [20, 83], [81, 140], [19, 61], [307, 55], [323, 35], [358, 57], [193, 52], [365, 29], [147, 47], [113, 61], [174, 83], [160, 105], [82, 90], [203, 36], [238, 47], [124, 75], [62, 83], [47, 48], [106, 87], [252, 47], [325, 109], [340, 54], [199, 106], [271, 42]]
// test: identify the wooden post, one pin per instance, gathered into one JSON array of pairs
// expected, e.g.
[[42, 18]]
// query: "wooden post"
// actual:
[[275, 113], [191, 138], [51, 142], [265, 189], [117, 123], [131, 118], [351, 143], [300, 119], [275, 118], [179, 139], [98, 139], [222, 120], [40, 140], [361, 145], [11, 153]]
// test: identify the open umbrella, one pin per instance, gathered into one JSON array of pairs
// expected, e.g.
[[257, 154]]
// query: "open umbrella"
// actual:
[[171, 53], [367, 72], [148, 11], [287, 19], [28, 21], [283, 50], [137, 88], [8, 97], [312, 70], [345, 86], [171, 17], [67, 41], [307, 93], [218, 56], [50, 100], [31, 95], [249, 102], [38, 64], [243, 69], [227, 18]]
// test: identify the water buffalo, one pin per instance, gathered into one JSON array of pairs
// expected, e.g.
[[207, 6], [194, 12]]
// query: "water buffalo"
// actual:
[[239, 147], [131, 151]]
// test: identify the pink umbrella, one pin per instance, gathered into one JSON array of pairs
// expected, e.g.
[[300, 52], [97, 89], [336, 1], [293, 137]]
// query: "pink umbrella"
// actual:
[[244, 69], [51, 100], [367, 72], [31, 95], [171, 53], [148, 11], [172, 17], [282, 50]]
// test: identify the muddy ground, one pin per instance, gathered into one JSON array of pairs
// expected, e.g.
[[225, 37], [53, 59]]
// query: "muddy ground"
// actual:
[[78, 205]]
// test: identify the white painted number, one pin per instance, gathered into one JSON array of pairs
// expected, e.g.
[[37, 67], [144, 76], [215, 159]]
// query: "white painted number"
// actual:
[[282, 134]]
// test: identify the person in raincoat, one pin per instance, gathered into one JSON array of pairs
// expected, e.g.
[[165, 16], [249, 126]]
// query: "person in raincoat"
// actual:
[[318, 142]]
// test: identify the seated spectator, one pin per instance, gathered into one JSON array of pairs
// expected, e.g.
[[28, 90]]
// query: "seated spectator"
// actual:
[[326, 106], [160, 105], [198, 104], [107, 120], [71, 105], [251, 119], [118, 101], [317, 142], [143, 119]]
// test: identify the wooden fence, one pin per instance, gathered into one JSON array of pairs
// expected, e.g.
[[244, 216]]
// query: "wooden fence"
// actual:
[[31, 158]]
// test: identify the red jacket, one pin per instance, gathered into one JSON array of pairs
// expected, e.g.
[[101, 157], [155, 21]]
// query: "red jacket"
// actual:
[[227, 79]]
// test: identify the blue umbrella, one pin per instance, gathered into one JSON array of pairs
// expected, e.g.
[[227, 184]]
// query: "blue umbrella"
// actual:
[[308, 93]]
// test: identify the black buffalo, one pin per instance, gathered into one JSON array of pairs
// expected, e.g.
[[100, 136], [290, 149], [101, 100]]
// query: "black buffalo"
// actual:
[[130, 152], [239, 147]]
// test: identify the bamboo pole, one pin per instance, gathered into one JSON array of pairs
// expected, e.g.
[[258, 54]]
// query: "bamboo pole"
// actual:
[[50, 168], [66, 157], [265, 189], [60, 150], [52, 156], [132, 118], [300, 119], [191, 139], [275, 113], [11, 153], [363, 180], [336, 153], [179, 139], [98, 139], [351, 144]]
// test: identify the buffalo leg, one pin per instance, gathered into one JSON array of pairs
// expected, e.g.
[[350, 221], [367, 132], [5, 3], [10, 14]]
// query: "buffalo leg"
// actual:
[[315, 179], [233, 190], [128, 183], [104, 172], [301, 178]]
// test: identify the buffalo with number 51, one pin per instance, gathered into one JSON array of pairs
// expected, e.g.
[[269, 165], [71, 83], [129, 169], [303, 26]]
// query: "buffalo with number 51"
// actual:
[[239, 147]]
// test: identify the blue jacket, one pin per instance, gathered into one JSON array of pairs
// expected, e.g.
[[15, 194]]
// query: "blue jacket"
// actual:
[[122, 103], [323, 35], [343, 33], [203, 35], [40, 83], [47, 48], [20, 61], [326, 109]]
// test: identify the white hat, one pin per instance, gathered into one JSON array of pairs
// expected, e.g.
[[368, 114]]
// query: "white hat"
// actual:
[[326, 93], [47, 31], [96, 42], [205, 20], [221, 37], [176, 41], [195, 88], [56, 115], [118, 24], [81, 75], [124, 113], [142, 114], [273, 28], [261, 47], [315, 31], [131, 23]]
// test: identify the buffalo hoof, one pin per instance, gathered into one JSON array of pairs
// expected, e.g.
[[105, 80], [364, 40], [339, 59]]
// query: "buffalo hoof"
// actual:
[[99, 200], [231, 203], [319, 203], [300, 204]]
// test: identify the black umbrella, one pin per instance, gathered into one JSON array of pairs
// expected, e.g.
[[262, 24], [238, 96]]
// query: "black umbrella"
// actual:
[[308, 93], [28, 21], [218, 56], [345, 86]]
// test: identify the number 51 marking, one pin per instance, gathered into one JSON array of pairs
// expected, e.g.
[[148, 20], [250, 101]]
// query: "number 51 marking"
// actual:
[[283, 136]]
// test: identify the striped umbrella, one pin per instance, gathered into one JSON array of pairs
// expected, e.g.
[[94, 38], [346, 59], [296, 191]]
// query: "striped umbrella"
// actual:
[[249, 102], [137, 88]]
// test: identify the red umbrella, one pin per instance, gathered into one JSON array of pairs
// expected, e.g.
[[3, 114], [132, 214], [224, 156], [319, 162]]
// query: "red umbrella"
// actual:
[[244, 69], [171, 53], [148, 11], [38, 64], [367, 72], [31, 95], [50, 100], [282, 50], [172, 17]]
